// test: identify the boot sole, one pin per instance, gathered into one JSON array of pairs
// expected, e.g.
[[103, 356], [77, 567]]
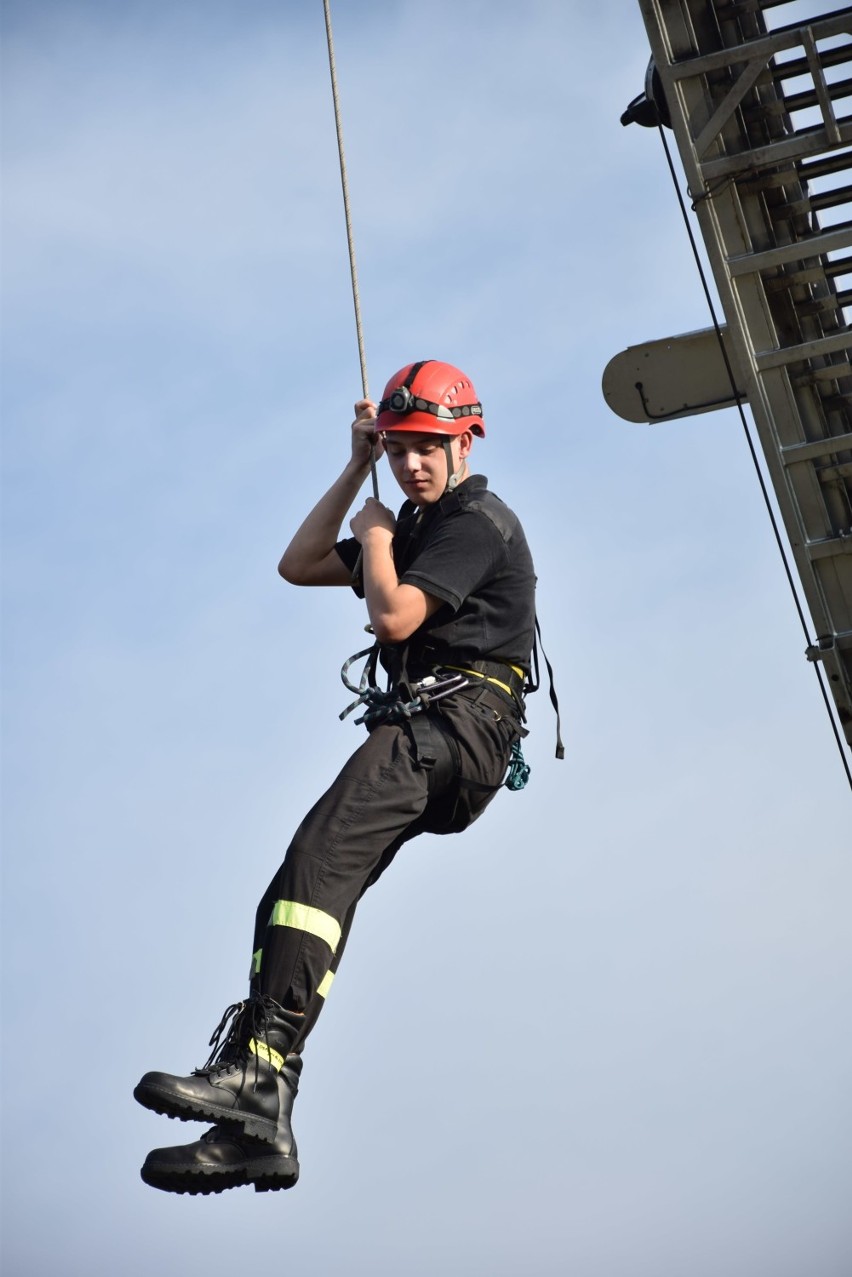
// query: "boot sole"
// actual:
[[270, 1174], [170, 1105]]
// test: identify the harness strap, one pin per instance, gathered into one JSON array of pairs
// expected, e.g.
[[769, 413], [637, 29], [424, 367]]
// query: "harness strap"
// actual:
[[422, 736], [511, 680], [402, 701], [535, 683]]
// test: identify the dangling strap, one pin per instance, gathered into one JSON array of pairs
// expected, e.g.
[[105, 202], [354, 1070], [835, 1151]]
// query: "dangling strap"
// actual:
[[422, 734], [535, 682]]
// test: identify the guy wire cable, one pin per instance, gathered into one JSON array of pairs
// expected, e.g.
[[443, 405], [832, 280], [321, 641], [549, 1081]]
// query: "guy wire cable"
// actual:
[[753, 451], [359, 330]]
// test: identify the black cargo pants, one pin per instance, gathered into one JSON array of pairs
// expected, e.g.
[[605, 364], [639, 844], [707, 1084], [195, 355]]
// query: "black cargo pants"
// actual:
[[384, 796]]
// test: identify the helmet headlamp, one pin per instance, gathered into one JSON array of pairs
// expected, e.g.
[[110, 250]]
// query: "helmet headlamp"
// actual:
[[401, 400]]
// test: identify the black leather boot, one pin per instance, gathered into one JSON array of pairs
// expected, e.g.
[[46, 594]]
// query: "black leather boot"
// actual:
[[238, 1086], [222, 1159]]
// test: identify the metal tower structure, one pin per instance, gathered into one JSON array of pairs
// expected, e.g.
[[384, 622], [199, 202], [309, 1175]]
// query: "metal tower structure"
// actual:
[[756, 107]]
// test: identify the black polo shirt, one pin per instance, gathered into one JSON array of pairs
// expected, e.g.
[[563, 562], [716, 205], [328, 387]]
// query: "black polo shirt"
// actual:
[[469, 551]]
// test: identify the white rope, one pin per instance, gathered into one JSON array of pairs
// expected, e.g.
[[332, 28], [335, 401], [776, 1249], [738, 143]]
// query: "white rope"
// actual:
[[353, 271]]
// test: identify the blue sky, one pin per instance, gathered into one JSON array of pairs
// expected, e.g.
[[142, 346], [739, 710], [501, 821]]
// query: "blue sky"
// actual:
[[606, 1032]]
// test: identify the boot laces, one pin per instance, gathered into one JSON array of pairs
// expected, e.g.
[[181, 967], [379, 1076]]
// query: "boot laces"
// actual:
[[229, 1043], [226, 1039]]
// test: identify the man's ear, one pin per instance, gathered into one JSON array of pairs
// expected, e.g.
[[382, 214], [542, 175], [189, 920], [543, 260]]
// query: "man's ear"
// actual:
[[465, 443]]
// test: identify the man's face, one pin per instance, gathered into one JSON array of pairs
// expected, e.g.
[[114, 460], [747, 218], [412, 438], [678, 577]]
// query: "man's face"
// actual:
[[419, 463]]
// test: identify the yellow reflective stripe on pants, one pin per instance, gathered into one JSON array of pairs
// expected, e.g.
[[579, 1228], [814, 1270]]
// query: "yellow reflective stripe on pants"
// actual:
[[288, 913], [324, 985]]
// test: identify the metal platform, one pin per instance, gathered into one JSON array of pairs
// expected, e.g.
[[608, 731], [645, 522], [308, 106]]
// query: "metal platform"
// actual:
[[757, 109]]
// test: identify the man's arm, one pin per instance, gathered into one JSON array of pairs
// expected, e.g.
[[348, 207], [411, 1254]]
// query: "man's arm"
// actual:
[[310, 558], [396, 610]]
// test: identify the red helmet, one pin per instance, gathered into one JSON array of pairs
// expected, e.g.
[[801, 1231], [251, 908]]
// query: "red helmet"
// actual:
[[430, 397]]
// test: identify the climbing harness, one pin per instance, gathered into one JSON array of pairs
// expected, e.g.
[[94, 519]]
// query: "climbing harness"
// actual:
[[403, 701], [400, 703]]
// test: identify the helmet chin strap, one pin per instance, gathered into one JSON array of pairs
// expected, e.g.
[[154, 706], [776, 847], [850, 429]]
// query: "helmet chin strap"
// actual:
[[454, 478]]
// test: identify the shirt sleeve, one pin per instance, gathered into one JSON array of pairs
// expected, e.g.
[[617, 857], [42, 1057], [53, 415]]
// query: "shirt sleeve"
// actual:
[[463, 552], [348, 550]]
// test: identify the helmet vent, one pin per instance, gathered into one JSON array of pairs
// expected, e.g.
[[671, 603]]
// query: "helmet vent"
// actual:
[[453, 392]]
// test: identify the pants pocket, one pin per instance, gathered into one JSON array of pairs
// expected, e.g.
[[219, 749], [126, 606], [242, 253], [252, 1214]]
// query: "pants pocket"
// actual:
[[481, 738]]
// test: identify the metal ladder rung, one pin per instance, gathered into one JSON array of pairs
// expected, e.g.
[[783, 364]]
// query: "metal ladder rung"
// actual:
[[809, 275], [826, 242], [835, 403], [817, 201], [830, 304], [798, 146], [792, 26], [753, 6], [826, 165], [812, 451], [790, 176], [816, 376], [788, 104], [840, 266], [795, 68], [829, 547], [830, 474], [829, 642], [839, 226], [769, 359], [808, 99], [765, 47]]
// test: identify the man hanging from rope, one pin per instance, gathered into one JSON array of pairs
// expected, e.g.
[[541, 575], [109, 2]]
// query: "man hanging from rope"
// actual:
[[450, 591]]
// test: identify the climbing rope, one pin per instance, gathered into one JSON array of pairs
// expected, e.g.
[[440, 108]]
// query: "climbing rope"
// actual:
[[753, 451], [399, 701], [353, 270]]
